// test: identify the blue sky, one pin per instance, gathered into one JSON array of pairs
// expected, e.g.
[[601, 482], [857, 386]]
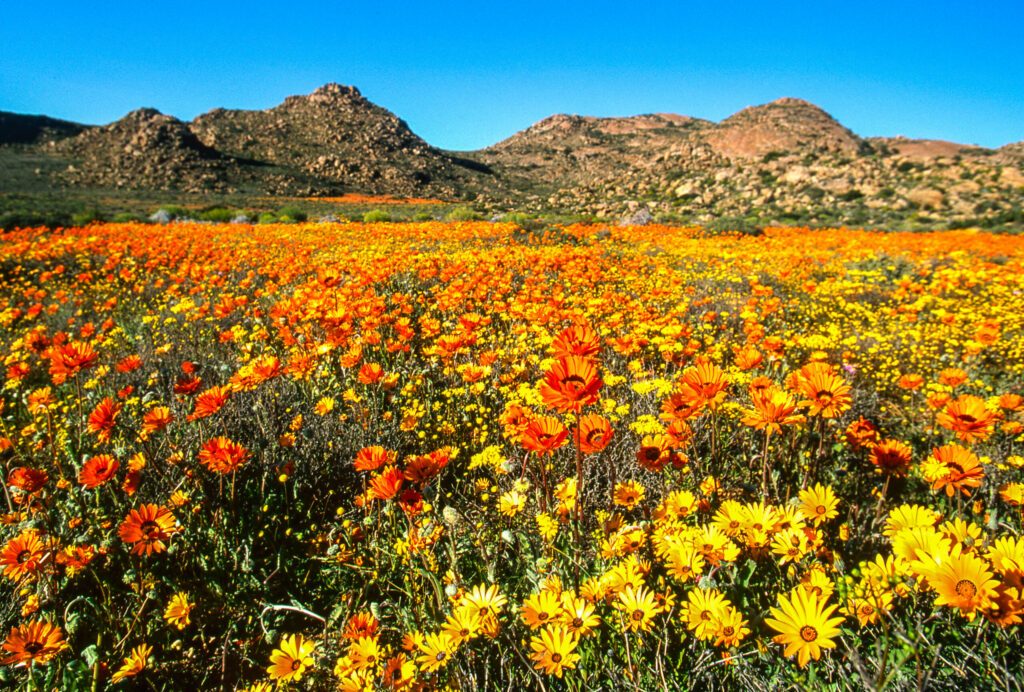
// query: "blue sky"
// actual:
[[467, 74]]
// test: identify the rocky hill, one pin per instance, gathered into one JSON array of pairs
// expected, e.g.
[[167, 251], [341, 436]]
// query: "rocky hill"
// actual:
[[337, 136], [787, 161], [144, 150], [16, 128]]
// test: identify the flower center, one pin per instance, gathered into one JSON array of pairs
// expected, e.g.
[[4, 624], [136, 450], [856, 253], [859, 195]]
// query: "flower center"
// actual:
[[440, 656], [33, 648], [542, 616], [556, 658], [808, 633], [148, 528], [966, 588], [577, 622], [296, 663], [24, 556], [638, 615]]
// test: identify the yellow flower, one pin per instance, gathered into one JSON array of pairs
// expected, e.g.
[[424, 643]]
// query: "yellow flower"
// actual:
[[578, 614], [435, 650], [639, 607], [291, 659], [547, 527], [463, 625], [553, 650], [704, 609], [511, 503], [629, 494], [804, 625], [541, 608], [134, 664], [365, 652], [819, 504], [960, 579], [177, 611]]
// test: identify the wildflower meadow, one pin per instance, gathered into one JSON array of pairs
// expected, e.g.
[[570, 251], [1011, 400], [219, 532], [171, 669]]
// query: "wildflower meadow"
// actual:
[[394, 456]]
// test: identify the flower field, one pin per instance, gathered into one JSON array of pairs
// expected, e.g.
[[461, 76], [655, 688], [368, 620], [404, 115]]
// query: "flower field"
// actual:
[[469, 456]]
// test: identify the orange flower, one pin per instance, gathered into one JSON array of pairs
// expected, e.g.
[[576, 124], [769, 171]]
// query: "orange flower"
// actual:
[[23, 554], [655, 452], [98, 470], [27, 480], [891, 456], [958, 469], [148, 527], [910, 381], [370, 373], [703, 384], [594, 433], [679, 407], [1011, 402], [422, 468], [128, 364], [827, 394], [772, 409], [222, 455], [578, 340], [372, 458], [209, 402], [861, 434], [748, 358], [952, 377], [70, 359], [33, 643], [386, 484], [968, 417], [155, 420], [101, 420], [515, 420], [571, 383], [544, 435]]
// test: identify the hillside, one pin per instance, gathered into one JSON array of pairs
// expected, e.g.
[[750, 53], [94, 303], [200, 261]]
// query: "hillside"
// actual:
[[786, 161]]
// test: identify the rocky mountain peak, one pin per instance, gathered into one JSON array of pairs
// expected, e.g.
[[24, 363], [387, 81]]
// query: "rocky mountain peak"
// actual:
[[784, 125]]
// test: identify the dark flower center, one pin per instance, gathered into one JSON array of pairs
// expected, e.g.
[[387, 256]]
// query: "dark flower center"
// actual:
[[556, 658], [966, 588], [808, 633], [33, 648]]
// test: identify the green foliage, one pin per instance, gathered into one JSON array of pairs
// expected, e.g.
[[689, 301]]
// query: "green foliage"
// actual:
[[86, 217], [376, 216], [291, 214], [217, 215], [741, 225], [462, 213]]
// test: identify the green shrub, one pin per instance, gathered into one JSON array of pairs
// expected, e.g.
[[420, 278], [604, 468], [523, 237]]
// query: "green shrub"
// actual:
[[86, 217], [217, 215], [267, 217], [127, 217], [376, 216], [462, 213], [291, 214]]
